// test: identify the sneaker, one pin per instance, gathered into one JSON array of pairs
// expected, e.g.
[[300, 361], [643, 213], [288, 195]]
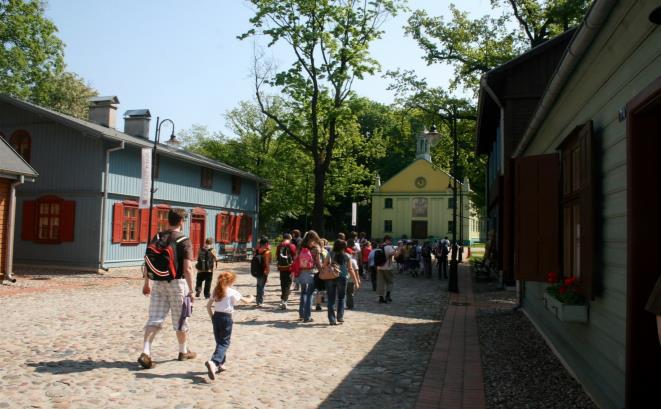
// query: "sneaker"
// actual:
[[197, 294], [333, 323], [382, 300], [318, 308], [145, 361], [212, 369], [284, 305], [308, 320], [186, 355], [340, 320], [388, 299]]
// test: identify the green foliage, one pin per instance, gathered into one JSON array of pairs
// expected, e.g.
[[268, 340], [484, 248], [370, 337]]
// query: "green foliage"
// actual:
[[32, 60], [475, 46], [329, 44]]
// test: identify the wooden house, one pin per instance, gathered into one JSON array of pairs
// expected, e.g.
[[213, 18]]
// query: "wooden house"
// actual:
[[83, 211], [14, 171], [586, 203]]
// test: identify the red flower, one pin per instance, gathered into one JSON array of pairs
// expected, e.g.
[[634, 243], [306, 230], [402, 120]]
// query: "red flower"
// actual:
[[570, 280], [552, 277], [562, 289]]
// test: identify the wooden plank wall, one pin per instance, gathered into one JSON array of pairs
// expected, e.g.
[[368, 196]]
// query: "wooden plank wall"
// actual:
[[622, 60], [5, 185]]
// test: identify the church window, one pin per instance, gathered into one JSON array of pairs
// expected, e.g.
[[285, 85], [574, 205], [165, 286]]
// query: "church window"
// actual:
[[388, 203]]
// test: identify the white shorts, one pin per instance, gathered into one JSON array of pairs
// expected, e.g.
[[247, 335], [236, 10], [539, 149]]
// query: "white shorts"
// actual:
[[167, 296]]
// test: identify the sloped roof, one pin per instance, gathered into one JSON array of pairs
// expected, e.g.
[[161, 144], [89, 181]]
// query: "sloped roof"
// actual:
[[11, 163], [90, 128]]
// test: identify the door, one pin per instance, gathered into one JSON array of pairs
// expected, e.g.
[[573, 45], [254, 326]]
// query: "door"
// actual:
[[643, 354], [197, 233], [418, 229]]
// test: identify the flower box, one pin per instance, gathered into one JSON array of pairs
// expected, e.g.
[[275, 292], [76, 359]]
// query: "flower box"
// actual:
[[566, 312]]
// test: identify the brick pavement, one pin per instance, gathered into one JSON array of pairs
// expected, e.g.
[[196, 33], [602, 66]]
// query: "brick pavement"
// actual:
[[454, 376]]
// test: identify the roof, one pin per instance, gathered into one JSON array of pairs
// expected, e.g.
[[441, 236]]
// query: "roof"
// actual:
[[11, 163], [137, 113], [488, 108], [99, 131], [112, 99]]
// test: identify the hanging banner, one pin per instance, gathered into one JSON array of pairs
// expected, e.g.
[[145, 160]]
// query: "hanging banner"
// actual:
[[145, 190], [354, 214]]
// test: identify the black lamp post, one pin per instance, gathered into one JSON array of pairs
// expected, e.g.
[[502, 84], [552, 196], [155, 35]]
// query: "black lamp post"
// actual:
[[172, 140]]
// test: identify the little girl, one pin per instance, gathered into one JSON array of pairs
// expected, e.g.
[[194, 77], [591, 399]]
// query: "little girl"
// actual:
[[220, 308]]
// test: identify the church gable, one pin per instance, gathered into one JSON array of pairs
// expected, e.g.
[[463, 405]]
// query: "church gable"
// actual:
[[418, 177]]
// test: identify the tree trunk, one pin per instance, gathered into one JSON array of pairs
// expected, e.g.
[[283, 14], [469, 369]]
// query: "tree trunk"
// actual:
[[319, 199]]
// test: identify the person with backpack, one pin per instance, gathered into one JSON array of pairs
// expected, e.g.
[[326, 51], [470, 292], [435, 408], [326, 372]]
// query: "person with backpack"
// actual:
[[370, 263], [260, 266], [336, 288], [352, 284], [285, 253], [442, 252], [168, 281], [296, 239], [306, 264], [206, 259], [384, 269], [425, 255]]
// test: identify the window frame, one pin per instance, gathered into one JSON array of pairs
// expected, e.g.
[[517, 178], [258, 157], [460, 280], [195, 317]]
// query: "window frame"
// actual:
[[19, 145], [133, 206], [49, 201], [386, 201], [236, 185], [451, 203], [206, 178], [387, 226]]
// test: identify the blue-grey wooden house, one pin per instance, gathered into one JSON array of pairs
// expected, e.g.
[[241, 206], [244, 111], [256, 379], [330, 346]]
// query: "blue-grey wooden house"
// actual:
[[83, 210]]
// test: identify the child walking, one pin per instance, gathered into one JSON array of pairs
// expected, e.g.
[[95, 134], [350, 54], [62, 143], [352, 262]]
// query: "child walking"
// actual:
[[220, 308], [206, 259]]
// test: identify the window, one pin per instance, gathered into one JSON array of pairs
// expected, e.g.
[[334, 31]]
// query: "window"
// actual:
[[49, 219], [577, 206], [21, 142], [451, 203], [245, 229], [206, 181], [162, 219], [236, 185], [388, 204], [450, 226], [131, 224], [224, 228], [387, 226]]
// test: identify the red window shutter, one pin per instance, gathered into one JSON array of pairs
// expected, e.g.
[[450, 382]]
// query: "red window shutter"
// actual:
[[67, 220], [248, 223], [29, 222], [117, 219], [588, 215], [144, 224], [219, 224], [537, 217], [234, 229]]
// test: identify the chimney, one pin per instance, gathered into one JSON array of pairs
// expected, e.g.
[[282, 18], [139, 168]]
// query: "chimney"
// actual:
[[103, 110], [136, 122]]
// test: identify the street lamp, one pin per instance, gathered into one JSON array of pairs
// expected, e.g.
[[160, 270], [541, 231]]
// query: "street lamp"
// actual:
[[173, 141]]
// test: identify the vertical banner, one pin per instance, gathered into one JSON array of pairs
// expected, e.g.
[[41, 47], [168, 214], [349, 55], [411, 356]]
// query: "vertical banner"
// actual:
[[354, 214], [145, 189]]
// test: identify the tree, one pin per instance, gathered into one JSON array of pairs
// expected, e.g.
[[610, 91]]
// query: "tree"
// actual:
[[476, 46], [32, 60], [329, 41]]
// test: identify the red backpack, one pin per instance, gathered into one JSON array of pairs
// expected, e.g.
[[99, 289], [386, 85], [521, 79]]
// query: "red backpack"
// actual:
[[161, 258]]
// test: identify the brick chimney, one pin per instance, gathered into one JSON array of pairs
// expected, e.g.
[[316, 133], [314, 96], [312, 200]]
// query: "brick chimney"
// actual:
[[136, 122], [103, 110]]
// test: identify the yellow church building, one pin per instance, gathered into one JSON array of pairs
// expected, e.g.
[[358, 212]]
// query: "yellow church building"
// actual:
[[418, 202]]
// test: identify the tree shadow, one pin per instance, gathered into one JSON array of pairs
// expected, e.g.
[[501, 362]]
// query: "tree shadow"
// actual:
[[391, 374]]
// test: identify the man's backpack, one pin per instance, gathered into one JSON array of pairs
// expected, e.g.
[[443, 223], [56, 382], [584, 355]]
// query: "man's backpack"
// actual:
[[204, 260], [285, 258], [445, 250], [161, 258], [380, 257], [426, 251], [257, 265]]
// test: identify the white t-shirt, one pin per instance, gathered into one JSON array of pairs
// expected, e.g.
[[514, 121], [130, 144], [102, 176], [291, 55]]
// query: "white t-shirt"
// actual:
[[389, 250], [231, 298], [354, 265]]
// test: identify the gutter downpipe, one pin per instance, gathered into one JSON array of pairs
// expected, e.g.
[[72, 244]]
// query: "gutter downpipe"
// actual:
[[102, 238], [12, 215], [577, 49]]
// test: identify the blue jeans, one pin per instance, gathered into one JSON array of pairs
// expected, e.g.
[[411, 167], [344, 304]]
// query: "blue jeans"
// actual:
[[336, 289], [222, 331], [261, 284], [306, 280]]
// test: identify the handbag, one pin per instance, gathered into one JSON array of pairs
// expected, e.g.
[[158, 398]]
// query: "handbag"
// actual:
[[330, 271]]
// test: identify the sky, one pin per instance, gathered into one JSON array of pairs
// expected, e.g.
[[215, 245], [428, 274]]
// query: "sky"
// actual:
[[182, 60]]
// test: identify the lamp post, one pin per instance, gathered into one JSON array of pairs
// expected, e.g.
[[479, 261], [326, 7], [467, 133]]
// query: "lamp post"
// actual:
[[173, 141], [453, 279]]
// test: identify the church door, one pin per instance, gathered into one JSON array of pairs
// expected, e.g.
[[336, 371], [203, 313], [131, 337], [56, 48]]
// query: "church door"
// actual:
[[418, 229]]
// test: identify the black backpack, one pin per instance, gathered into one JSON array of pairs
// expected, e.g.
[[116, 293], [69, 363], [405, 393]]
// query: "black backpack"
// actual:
[[380, 257], [161, 257], [204, 260], [426, 251], [257, 265], [285, 258]]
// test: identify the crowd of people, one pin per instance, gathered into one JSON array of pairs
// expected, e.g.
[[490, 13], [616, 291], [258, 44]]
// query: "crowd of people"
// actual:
[[320, 272]]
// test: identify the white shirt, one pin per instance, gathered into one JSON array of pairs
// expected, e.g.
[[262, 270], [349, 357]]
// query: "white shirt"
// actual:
[[231, 298]]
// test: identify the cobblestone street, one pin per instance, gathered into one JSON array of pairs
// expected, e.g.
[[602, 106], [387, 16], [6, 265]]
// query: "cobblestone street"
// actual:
[[73, 341]]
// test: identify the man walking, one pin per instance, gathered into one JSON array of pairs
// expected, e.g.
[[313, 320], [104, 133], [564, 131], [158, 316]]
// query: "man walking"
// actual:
[[169, 293], [384, 270], [285, 253], [442, 252]]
